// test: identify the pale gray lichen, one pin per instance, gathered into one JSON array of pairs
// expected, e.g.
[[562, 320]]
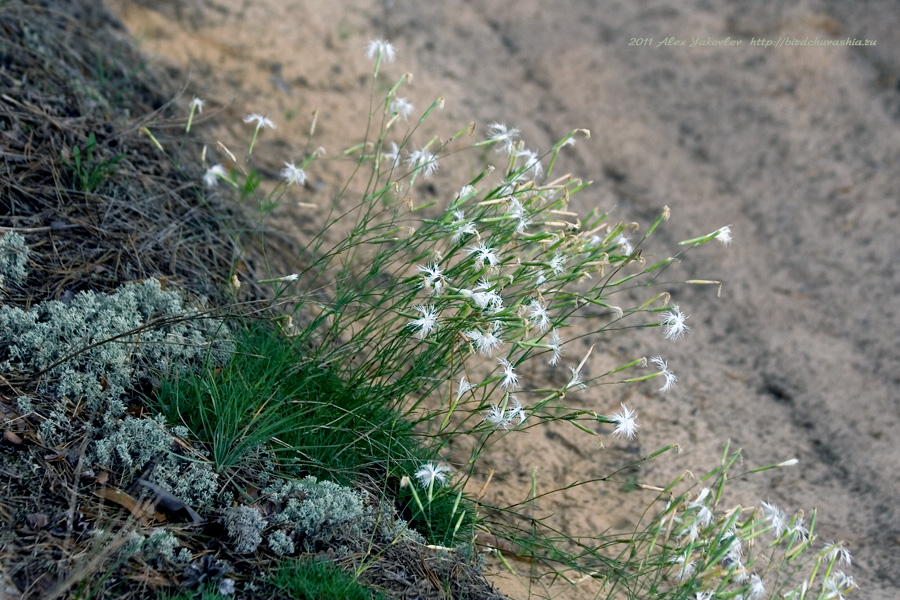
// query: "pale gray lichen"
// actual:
[[24, 405], [13, 258], [310, 513], [130, 443], [184, 556], [281, 543], [56, 428], [245, 525], [193, 481], [160, 546], [153, 330], [320, 511]]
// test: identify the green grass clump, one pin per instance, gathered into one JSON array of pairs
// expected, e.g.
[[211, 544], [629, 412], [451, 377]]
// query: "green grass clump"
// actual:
[[308, 419], [318, 580]]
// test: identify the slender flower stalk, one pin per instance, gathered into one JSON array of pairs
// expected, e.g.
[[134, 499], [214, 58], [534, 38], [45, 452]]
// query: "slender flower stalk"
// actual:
[[286, 279]]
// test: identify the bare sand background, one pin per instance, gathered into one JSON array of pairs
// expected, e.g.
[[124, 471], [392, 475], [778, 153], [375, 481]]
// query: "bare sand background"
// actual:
[[797, 148]]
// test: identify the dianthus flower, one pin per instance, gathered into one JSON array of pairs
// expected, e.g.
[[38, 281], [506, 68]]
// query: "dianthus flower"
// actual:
[[380, 49], [503, 137], [673, 321], [292, 174], [430, 473], [424, 160], [402, 107], [510, 379], [213, 174], [625, 423], [427, 323], [663, 367]]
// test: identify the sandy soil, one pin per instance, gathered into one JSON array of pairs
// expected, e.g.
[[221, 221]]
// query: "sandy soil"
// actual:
[[795, 147]]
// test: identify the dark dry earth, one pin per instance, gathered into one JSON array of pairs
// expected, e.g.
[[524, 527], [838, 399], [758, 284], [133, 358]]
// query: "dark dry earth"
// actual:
[[796, 147]]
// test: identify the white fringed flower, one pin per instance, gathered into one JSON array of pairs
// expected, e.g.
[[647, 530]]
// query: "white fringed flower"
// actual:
[[422, 160], [381, 48], [429, 474], [510, 378], [538, 317], [663, 367], [293, 175], [427, 323], [625, 423], [213, 174], [723, 234], [504, 137], [673, 321], [484, 254], [261, 121], [402, 107], [485, 342]]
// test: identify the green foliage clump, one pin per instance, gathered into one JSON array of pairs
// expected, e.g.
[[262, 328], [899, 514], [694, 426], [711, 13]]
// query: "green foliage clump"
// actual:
[[13, 258], [98, 344], [269, 389], [319, 580]]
